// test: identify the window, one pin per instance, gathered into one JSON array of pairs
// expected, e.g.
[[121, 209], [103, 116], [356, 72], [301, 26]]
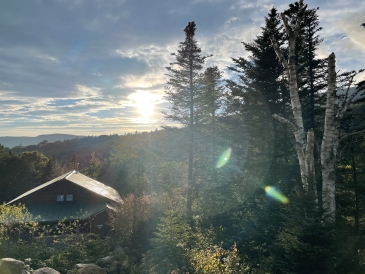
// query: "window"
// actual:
[[60, 198], [69, 197]]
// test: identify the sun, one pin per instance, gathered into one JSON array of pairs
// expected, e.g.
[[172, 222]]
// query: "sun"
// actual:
[[145, 108], [143, 102]]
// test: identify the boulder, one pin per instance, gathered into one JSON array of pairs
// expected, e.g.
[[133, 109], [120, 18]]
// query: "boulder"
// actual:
[[91, 269], [46, 270], [11, 266], [78, 266], [107, 259], [26, 272]]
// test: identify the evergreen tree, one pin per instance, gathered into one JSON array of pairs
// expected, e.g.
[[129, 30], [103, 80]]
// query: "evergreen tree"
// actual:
[[260, 146], [212, 99], [303, 244], [311, 70], [261, 74], [262, 91], [182, 92], [169, 247], [52, 169]]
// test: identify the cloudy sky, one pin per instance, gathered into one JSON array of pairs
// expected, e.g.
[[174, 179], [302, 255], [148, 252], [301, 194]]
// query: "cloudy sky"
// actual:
[[92, 67]]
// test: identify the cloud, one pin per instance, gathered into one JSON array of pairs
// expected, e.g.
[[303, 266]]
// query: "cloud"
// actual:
[[49, 58], [79, 65], [87, 92], [231, 20]]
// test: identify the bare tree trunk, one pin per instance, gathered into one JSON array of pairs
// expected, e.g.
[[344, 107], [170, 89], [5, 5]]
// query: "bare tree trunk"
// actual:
[[304, 141], [191, 143], [329, 146]]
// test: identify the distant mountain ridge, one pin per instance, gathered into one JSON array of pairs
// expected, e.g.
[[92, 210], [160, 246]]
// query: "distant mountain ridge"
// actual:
[[12, 141]]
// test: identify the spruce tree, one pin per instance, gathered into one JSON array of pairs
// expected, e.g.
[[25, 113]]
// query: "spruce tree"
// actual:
[[182, 91], [261, 74], [262, 90], [169, 247], [52, 169], [212, 96], [311, 70]]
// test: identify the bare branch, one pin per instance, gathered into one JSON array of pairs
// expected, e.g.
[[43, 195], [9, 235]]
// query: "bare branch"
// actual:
[[279, 54], [286, 24], [342, 105], [349, 85], [347, 103], [285, 121]]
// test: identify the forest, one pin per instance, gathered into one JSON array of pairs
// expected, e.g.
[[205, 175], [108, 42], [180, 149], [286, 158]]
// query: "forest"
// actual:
[[264, 174]]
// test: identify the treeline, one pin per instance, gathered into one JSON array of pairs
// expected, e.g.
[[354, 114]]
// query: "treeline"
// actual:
[[199, 199]]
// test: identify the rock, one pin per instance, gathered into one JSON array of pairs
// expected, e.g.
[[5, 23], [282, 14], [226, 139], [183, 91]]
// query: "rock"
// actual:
[[78, 266], [11, 266], [26, 272], [91, 269], [46, 270], [107, 260]]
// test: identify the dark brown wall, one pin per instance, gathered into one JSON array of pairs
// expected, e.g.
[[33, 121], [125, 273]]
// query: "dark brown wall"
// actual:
[[49, 195], [100, 219]]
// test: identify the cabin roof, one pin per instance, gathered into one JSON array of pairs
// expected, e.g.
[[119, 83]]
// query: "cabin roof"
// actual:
[[81, 180]]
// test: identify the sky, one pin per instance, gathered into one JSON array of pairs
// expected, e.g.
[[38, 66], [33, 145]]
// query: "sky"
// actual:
[[93, 67]]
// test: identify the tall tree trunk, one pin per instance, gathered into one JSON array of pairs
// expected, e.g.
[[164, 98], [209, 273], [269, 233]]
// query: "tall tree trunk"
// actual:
[[304, 141], [191, 141], [329, 146], [311, 85]]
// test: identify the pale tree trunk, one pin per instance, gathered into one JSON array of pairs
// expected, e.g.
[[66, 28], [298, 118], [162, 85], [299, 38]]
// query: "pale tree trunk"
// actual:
[[330, 141], [329, 146], [191, 186], [304, 140]]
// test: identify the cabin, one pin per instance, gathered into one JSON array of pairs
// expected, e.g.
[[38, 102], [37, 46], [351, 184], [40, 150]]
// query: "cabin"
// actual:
[[71, 196]]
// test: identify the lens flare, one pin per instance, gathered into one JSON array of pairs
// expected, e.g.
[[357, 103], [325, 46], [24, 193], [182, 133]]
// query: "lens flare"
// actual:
[[275, 194], [223, 159]]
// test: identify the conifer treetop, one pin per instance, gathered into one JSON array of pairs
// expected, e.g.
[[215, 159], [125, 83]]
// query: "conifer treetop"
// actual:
[[190, 29]]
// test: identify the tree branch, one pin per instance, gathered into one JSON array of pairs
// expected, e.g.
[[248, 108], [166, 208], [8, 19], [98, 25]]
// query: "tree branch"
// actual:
[[285, 121], [342, 105], [279, 54], [347, 103], [286, 24]]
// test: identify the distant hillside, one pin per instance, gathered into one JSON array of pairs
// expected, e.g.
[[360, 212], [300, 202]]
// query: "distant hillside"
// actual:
[[105, 147], [12, 141]]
